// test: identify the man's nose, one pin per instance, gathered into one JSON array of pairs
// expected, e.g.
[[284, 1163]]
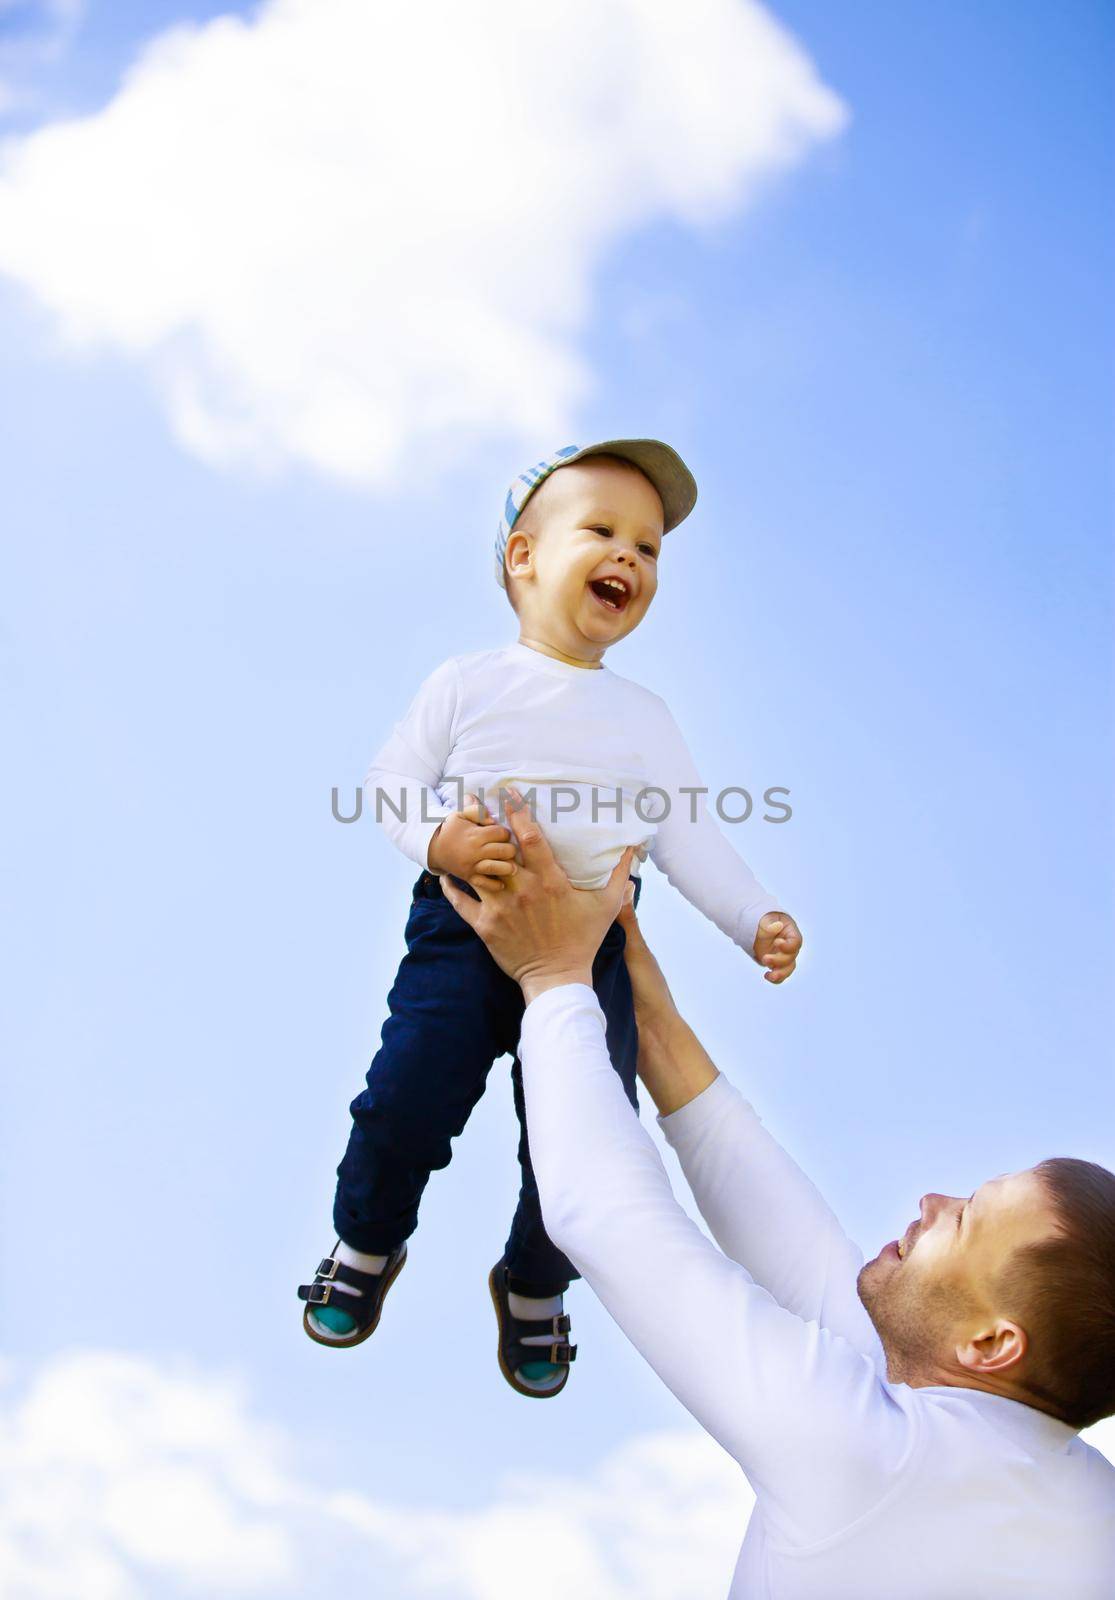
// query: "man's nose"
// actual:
[[931, 1207]]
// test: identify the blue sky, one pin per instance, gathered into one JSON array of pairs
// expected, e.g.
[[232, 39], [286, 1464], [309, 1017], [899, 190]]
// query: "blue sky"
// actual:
[[891, 374]]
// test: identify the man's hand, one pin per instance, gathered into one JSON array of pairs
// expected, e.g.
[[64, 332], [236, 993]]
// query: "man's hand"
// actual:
[[649, 988], [673, 1063], [777, 944], [472, 846], [547, 932]]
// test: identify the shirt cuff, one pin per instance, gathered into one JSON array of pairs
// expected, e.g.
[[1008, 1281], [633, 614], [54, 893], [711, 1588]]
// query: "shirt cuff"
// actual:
[[689, 1120], [563, 997], [422, 837], [749, 923]]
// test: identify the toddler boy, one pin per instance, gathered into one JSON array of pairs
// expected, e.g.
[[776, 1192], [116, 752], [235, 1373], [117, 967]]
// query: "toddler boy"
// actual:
[[605, 767]]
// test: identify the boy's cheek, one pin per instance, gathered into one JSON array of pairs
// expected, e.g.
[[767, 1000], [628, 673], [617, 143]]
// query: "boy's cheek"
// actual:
[[646, 600]]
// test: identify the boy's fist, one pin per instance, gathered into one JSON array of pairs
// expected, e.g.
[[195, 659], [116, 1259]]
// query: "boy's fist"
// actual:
[[471, 846], [777, 944]]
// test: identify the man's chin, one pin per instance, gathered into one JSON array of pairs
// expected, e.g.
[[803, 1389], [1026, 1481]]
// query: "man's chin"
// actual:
[[871, 1277]]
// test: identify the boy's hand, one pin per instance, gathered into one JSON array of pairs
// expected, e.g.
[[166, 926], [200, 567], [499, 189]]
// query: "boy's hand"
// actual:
[[777, 944], [471, 846], [547, 933]]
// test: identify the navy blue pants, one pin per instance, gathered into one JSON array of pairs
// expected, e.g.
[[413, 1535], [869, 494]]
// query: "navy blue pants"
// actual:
[[452, 1013]]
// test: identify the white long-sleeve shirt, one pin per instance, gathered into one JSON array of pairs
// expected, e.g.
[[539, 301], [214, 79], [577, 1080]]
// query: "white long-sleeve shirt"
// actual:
[[600, 753], [865, 1490]]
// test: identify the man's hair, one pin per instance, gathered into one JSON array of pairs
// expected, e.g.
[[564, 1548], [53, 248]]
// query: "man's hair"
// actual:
[[1064, 1290]]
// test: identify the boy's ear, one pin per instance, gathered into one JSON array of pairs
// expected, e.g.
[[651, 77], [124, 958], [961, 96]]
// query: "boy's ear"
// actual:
[[519, 556]]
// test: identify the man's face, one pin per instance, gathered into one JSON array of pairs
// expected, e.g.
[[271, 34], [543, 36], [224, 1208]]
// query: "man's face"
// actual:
[[597, 534], [936, 1289]]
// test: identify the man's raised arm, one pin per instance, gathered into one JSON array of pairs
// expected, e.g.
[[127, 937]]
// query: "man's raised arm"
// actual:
[[761, 1208], [800, 1409]]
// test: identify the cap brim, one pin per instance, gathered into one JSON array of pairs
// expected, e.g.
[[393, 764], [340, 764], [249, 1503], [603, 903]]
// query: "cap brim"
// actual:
[[677, 488]]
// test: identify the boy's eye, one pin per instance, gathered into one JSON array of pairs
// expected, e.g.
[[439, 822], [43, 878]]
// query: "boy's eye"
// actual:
[[644, 549]]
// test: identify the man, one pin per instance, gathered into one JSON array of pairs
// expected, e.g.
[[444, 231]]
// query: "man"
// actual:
[[916, 1440]]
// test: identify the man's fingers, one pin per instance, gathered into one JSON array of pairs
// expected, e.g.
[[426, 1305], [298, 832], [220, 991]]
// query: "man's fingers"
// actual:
[[620, 873], [463, 903], [629, 921], [532, 841]]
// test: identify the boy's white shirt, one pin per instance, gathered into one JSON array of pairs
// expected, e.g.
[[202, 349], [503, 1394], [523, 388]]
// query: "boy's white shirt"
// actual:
[[514, 715], [865, 1490]]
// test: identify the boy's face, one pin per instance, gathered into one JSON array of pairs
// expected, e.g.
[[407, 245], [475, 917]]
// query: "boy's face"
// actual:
[[584, 553]]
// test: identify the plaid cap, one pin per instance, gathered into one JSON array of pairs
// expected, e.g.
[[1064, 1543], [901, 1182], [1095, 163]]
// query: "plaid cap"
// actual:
[[673, 480]]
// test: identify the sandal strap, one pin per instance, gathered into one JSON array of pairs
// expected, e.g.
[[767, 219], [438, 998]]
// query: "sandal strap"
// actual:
[[524, 1327], [328, 1287], [558, 1354], [327, 1294], [331, 1270]]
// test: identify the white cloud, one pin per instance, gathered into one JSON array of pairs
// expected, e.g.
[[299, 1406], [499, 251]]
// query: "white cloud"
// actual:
[[337, 231], [123, 1480], [120, 1481]]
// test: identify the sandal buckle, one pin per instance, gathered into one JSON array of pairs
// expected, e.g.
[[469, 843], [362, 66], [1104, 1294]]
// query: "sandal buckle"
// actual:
[[562, 1354], [561, 1325], [319, 1294], [327, 1267]]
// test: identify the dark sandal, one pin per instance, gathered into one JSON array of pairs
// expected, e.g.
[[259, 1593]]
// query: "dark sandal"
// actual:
[[513, 1353], [364, 1308]]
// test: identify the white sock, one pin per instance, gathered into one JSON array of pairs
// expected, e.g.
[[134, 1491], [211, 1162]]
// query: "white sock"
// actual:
[[356, 1258], [521, 1305], [349, 1258]]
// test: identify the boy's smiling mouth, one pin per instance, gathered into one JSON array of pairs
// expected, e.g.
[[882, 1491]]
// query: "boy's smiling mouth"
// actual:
[[612, 593]]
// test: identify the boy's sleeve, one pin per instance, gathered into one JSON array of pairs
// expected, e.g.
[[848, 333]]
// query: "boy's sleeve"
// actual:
[[400, 786], [692, 852]]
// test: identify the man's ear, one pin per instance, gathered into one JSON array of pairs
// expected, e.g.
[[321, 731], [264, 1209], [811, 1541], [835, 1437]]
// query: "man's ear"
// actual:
[[998, 1348], [519, 556]]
